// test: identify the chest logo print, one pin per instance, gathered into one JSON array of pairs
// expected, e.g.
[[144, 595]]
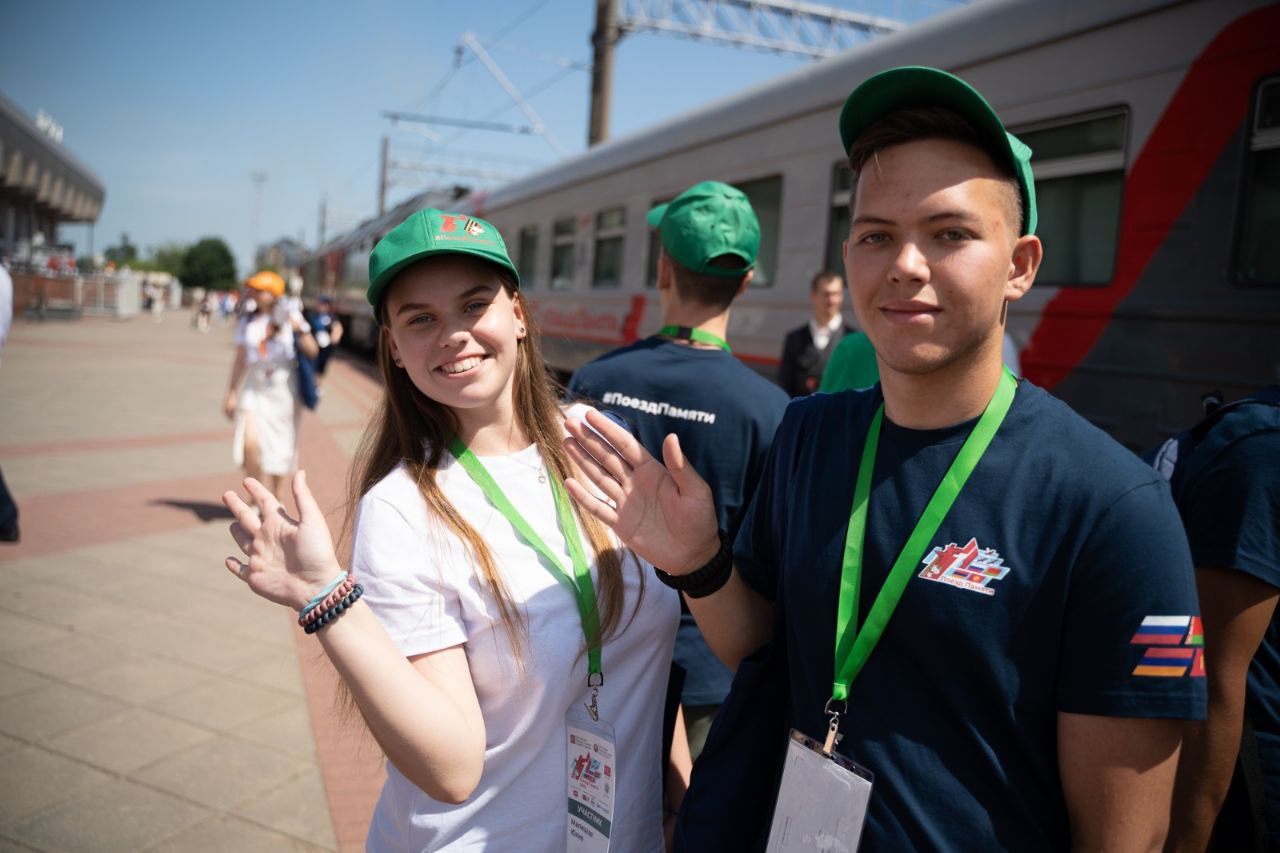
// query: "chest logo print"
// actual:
[[1175, 646], [967, 567]]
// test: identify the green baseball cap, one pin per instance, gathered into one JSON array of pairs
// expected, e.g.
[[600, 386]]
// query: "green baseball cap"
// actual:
[[706, 221], [920, 86], [433, 232]]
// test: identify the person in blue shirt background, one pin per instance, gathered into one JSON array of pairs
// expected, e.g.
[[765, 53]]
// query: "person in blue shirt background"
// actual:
[[328, 332], [1029, 690]]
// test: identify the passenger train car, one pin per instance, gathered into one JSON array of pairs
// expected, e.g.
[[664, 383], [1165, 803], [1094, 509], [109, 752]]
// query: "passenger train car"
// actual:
[[1156, 132]]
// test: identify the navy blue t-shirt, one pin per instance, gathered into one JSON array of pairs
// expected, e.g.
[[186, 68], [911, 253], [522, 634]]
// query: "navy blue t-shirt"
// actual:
[[725, 415], [1230, 503], [1060, 567]]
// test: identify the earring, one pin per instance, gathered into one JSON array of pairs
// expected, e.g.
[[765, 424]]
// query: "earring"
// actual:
[[1004, 311]]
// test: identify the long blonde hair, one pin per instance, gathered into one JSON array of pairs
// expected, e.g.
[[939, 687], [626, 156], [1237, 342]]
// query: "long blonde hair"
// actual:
[[407, 419]]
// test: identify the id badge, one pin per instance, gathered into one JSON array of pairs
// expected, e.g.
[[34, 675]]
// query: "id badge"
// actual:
[[822, 801], [592, 776]]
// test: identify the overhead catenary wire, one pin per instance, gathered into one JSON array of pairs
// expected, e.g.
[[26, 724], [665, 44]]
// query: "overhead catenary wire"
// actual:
[[537, 89], [462, 59]]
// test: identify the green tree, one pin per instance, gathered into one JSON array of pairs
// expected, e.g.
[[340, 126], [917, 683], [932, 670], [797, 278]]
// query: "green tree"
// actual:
[[125, 253], [208, 264], [168, 258]]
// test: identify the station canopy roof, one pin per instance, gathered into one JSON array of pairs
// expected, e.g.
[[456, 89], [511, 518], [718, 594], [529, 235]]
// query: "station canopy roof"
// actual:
[[35, 168]]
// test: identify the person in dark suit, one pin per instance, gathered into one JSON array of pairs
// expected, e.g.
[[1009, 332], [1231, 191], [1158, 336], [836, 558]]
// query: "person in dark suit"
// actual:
[[806, 349]]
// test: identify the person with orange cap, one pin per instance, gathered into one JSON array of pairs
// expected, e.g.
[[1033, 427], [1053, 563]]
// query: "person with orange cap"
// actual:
[[262, 397]]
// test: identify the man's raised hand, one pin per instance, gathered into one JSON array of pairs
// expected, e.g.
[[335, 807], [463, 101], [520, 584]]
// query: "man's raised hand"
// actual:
[[665, 514]]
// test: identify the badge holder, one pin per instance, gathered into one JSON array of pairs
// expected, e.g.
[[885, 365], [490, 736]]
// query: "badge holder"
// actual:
[[823, 797], [592, 774]]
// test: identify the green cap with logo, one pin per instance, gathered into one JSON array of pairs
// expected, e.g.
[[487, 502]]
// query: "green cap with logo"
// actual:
[[707, 221], [921, 86], [433, 232]]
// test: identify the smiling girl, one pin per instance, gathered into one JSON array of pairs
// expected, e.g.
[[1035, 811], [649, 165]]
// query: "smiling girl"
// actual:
[[500, 643]]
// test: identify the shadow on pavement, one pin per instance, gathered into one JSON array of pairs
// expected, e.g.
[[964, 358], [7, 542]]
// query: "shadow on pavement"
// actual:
[[202, 510]]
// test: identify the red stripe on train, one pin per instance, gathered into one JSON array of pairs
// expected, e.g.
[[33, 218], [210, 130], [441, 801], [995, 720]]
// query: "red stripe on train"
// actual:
[[1189, 138]]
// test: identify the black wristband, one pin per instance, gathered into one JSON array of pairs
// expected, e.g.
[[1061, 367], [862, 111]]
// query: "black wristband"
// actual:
[[706, 580]]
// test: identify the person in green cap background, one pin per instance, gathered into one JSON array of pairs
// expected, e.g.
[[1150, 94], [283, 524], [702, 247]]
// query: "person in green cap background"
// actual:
[[483, 607], [685, 380], [975, 594]]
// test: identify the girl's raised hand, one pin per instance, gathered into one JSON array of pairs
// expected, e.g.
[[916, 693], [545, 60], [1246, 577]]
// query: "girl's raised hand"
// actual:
[[288, 561], [667, 515]]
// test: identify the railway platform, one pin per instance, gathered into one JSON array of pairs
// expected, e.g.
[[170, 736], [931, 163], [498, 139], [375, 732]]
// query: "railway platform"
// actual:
[[148, 701]]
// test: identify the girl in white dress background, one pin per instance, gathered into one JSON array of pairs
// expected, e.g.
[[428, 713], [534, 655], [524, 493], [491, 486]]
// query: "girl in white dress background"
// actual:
[[262, 397]]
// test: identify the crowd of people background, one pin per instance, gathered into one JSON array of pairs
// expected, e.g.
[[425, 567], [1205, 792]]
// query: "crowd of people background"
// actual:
[[942, 581]]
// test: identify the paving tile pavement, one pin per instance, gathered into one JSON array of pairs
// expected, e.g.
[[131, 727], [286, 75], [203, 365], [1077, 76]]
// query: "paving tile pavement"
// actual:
[[147, 701]]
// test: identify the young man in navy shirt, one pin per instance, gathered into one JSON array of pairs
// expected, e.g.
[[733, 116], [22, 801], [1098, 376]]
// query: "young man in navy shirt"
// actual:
[[1029, 686], [1227, 489], [685, 381]]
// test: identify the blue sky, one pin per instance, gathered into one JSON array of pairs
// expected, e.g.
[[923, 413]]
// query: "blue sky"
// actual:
[[174, 105]]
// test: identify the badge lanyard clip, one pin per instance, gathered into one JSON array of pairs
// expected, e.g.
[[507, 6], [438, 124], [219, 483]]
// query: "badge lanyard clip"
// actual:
[[833, 728], [595, 681]]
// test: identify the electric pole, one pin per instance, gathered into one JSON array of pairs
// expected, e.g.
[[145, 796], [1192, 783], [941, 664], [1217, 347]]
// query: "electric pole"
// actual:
[[258, 178], [324, 202], [603, 39], [382, 177]]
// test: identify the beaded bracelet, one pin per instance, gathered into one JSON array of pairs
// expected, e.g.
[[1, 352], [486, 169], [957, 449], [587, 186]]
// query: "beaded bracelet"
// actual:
[[324, 593], [337, 594], [337, 610]]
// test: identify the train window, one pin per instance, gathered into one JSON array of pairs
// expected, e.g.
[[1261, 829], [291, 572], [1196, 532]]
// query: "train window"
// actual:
[[610, 225], [838, 222], [527, 260], [1257, 253], [765, 195], [563, 233], [1079, 169]]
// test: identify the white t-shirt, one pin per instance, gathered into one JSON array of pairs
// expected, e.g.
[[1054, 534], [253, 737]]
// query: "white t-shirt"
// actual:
[[424, 588]]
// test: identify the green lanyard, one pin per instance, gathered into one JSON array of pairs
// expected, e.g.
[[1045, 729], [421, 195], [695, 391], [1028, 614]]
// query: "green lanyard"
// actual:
[[854, 646], [688, 333], [579, 583]]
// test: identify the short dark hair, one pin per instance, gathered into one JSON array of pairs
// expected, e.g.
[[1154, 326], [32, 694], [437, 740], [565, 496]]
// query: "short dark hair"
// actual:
[[713, 291], [820, 278], [919, 123]]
